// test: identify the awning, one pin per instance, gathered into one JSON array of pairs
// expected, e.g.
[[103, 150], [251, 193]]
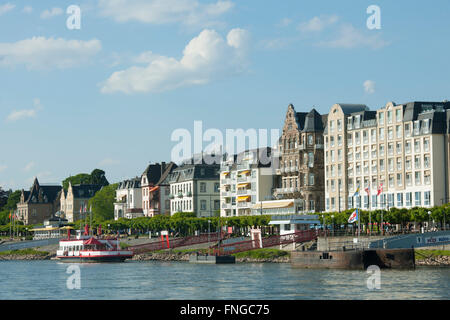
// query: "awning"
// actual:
[[67, 228], [92, 241], [154, 188], [274, 205], [225, 173], [245, 172], [243, 184], [243, 198], [45, 229]]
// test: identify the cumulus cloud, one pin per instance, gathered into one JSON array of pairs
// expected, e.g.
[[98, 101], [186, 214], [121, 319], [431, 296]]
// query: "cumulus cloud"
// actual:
[[29, 166], [188, 12], [16, 115], [44, 53], [27, 9], [46, 14], [6, 7], [317, 24], [349, 37], [369, 86], [205, 57]]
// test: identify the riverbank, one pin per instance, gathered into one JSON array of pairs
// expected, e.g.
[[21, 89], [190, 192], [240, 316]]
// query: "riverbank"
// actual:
[[25, 254], [432, 258], [259, 255]]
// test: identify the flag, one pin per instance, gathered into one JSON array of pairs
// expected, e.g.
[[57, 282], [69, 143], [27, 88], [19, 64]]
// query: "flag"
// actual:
[[353, 217], [380, 189], [10, 215], [356, 194], [367, 190]]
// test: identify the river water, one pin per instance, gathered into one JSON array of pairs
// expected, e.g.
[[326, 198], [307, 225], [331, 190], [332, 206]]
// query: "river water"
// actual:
[[180, 280]]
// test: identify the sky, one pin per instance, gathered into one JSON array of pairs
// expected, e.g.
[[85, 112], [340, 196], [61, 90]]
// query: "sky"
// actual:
[[111, 93]]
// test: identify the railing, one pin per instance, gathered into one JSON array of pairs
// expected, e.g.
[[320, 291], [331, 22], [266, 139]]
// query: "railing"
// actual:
[[299, 236], [176, 242]]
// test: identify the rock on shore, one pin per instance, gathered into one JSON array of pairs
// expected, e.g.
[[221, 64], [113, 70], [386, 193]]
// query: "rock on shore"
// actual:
[[434, 261], [26, 257], [181, 256]]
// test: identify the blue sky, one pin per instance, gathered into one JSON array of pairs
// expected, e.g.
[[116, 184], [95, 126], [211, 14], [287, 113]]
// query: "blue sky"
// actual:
[[110, 94]]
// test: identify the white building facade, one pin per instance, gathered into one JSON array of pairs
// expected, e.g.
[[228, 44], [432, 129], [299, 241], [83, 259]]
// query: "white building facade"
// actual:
[[401, 149]]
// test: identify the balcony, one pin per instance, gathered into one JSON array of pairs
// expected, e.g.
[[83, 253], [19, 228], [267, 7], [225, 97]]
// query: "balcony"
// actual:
[[226, 205], [319, 146], [243, 179], [225, 193], [243, 191], [243, 166], [225, 181], [244, 204]]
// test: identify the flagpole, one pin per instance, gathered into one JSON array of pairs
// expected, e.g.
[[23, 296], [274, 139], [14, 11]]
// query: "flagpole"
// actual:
[[10, 223]]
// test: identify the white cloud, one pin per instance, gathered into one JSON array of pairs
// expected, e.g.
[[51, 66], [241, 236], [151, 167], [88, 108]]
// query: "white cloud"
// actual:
[[25, 113], [6, 7], [46, 14], [188, 12], [27, 9], [29, 166], [284, 22], [44, 53], [317, 24], [349, 37], [369, 86], [205, 57]]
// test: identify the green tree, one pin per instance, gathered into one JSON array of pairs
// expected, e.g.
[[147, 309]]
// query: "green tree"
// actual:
[[98, 177], [103, 203], [82, 178]]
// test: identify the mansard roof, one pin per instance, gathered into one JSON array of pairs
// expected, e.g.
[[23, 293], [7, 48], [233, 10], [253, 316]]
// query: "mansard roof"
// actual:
[[313, 122], [188, 172], [45, 193], [85, 190]]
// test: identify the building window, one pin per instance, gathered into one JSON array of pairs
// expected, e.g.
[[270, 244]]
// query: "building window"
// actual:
[[311, 205], [426, 198], [202, 204], [216, 187], [407, 130], [399, 199], [398, 115], [381, 118], [310, 139], [391, 200], [408, 199], [311, 159], [311, 179], [417, 178], [418, 199], [202, 186]]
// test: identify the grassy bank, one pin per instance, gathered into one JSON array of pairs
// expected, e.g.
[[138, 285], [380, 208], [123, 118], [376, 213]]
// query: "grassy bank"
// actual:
[[23, 252], [262, 254], [423, 254]]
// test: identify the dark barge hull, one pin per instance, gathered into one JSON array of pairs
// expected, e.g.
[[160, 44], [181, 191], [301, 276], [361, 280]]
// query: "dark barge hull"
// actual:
[[94, 259], [193, 258], [355, 259]]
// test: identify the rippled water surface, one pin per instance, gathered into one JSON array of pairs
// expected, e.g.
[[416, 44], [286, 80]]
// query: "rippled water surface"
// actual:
[[181, 280]]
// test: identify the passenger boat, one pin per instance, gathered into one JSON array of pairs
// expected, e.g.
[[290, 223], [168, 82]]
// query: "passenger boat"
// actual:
[[85, 248]]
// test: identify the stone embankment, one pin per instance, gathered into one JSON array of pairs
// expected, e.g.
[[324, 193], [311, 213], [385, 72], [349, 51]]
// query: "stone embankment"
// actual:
[[434, 261], [183, 256], [26, 256]]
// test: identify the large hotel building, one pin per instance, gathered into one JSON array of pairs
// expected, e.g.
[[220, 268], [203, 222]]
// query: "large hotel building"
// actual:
[[403, 148]]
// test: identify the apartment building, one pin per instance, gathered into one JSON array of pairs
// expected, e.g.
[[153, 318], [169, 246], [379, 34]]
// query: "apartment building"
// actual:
[[301, 163], [128, 199], [75, 198], [194, 187], [403, 148], [155, 188], [38, 204], [246, 179]]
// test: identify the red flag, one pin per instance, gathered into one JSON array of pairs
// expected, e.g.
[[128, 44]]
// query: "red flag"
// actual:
[[380, 189], [367, 191]]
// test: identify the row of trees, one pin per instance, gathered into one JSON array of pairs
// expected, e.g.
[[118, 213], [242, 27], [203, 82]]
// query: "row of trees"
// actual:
[[392, 216], [183, 223]]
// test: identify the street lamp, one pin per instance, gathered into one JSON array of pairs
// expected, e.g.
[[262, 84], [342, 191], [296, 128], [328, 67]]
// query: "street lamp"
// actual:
[[332, 222], [429, 220]]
